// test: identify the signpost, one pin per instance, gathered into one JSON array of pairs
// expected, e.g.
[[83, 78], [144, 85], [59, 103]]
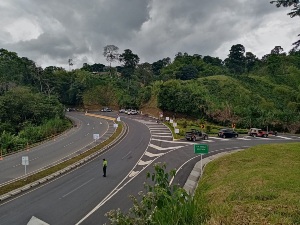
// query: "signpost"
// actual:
[[25, 162], [118, 119], [96, 137], [201, 149]]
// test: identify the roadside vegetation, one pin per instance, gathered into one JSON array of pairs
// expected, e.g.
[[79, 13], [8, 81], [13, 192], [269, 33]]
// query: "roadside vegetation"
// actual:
[[256, 186]]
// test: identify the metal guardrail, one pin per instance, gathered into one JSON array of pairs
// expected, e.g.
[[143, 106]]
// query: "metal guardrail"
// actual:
[[64, 170]]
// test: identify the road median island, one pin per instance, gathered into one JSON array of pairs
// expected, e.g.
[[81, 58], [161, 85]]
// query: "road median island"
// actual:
[[10, 189]]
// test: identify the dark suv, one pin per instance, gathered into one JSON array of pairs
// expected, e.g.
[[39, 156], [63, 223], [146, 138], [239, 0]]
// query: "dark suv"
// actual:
[[227, 133]]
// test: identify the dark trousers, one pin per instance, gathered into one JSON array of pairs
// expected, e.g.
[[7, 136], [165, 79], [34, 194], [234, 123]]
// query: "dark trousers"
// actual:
[[104, 171]]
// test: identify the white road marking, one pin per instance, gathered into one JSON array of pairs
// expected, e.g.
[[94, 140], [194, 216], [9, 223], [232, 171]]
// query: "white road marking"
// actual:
[[176, 142], [245, 139], [77, 188], [160, 133], [149, 154], [142, 163], [215, 138], [133, 173], [284, 137], [168, 136], [164, 149]]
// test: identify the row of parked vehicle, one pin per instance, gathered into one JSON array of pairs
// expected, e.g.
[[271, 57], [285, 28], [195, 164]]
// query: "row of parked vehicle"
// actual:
[[129, 111], [195, 135]]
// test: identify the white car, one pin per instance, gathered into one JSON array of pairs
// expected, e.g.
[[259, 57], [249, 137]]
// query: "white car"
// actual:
[[122, 111], [133, 112]]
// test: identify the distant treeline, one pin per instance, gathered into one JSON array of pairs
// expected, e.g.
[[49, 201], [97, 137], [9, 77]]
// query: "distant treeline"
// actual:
[[241, 89]]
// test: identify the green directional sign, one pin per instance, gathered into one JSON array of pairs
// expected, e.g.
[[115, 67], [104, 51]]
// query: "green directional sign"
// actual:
[[201, 149]]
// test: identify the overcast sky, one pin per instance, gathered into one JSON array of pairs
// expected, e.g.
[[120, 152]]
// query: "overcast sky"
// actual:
[[51, 32]]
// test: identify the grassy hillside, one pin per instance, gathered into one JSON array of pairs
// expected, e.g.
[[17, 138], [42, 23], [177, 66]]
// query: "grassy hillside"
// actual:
[[257, 186]]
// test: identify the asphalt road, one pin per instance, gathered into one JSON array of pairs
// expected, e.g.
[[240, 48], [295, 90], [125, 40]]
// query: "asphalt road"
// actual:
[[65, 146], [83, 196]]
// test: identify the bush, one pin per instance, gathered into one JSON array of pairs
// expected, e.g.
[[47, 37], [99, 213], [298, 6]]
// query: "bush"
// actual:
[[162, 204]]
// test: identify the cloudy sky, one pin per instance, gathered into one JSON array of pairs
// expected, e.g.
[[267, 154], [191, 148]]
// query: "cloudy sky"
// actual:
[[51, 32]]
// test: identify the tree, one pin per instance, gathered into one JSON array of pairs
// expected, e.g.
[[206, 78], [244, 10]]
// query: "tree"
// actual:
[[144, 73], [213, 61], [236, 59], [158, 65], [277, 50], [111, 54], [187, 72], [250, 61], [294, 12], [129, 61]]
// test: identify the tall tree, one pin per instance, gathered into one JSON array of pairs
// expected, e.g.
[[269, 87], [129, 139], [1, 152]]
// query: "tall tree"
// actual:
[[129, 61], [251, 60], [236, 59], [111, 54], [158, 65], [277, 50]]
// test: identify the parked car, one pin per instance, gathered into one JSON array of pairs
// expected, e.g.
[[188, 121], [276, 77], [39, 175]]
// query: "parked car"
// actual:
[[195, 135], [255, 132], [272, 132], [133, 112], [106, 109], [227, 133], [122, 111]]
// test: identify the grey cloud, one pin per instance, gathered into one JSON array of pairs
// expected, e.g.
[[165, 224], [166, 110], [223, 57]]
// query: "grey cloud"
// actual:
[[153, 29]]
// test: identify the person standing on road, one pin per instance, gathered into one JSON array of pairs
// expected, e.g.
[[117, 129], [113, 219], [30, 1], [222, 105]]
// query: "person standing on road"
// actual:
[[104, 167]]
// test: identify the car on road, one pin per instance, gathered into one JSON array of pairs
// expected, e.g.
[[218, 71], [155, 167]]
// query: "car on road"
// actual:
[[122, 111], [106, 109], [270, 132], [227, 133], [256, 132], [195, 135], [133, 112]]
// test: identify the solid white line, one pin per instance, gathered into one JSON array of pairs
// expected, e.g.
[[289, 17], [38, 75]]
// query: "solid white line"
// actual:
[[78, 188]]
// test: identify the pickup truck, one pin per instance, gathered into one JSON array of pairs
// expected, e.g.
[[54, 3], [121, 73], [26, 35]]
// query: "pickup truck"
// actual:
[[255, 132], [195, 135]]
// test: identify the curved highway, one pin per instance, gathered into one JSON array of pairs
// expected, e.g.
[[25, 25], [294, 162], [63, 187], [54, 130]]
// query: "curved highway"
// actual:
[[83, 196], [74, 141]]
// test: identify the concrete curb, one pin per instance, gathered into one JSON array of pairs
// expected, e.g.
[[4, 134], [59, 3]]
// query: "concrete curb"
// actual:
[[66, 169], [192, 182]]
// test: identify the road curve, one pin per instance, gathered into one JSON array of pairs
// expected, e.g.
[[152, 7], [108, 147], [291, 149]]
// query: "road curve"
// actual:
[[63, 147], [83, 196]]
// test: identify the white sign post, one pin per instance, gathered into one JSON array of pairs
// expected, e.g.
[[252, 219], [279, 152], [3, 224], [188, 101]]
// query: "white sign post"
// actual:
[[96, 137], [174, 124], [176, 131], [25, 162], [118, 119], [167, 118], [116, 125]]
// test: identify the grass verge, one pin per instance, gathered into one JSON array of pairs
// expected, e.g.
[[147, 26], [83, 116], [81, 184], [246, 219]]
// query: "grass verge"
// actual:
[[32, 178], [257, 186]]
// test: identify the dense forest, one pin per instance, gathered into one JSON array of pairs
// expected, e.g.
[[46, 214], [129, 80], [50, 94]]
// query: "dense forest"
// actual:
[[241, 89]]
